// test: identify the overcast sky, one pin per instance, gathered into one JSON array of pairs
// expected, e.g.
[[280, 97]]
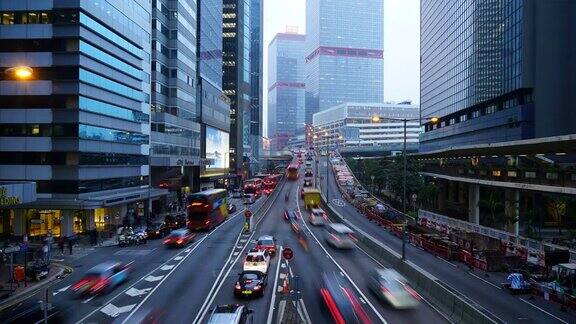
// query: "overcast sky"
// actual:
[[401, 43]]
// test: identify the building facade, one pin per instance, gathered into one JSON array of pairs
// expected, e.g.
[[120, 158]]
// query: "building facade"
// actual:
[[79, 126], [175, 132], [367, 125], [344, 53], [492, 73], [213, 105], [256, 70], [286, 88], [236, 79]]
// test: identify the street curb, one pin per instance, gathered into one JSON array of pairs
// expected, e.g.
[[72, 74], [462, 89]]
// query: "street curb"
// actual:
[[13, 300]]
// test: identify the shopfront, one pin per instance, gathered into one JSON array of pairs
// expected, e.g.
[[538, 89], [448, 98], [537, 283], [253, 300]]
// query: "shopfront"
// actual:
[[12, 196]]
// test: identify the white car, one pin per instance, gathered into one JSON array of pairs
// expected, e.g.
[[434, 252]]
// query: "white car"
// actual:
[[318, 217], [339, 236], [391, 287], [257, 261], [249, 199]]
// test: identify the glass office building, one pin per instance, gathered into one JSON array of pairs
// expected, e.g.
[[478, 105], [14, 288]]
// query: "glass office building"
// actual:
[[236, 78], [256, 70], [286, 88], [79, 127], [175, 132], [344, 53], [491, 72]]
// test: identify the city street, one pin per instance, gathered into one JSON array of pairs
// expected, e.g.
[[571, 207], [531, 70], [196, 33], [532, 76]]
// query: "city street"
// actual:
[[479, 288]]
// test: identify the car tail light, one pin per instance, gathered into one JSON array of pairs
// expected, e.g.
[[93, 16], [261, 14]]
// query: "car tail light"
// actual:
[[100, 284], [336, 315], [238, 286], [207, 222], [336, 238], [180, 241], [166, 241], [258, 287], [412, 292], [79, 284], [358, 309], [352, 237]]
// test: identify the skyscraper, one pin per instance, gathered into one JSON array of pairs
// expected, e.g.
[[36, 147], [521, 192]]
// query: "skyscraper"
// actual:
[[79, 127], [344, 53], [236, 78], [491, 71], [175, 132], [213, 106], [256, 63], [286, 88]]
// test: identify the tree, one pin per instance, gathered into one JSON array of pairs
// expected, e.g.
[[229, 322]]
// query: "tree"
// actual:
[[557, 205], [495, 207]]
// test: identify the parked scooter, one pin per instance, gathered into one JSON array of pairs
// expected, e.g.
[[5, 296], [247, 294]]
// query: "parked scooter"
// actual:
[[141, 237], [38, 270]]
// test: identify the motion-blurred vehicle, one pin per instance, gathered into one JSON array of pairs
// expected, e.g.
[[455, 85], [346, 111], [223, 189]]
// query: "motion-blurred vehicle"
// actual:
[[250, 283], [101, 278], [173, 222], [392, 288], [311, 198], [307, 182], [339, 236], [318, 217], [206, 209], [157, 230], [267, 243], [342, 303], [257, 261], [231, 208], [292, 172], [249, 199], [231, 314], [179, 238], [291, 215]]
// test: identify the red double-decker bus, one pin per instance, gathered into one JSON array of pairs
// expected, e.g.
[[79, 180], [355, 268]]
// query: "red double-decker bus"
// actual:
[[253, 186], [269, 183], [292, 171], [206, 209]]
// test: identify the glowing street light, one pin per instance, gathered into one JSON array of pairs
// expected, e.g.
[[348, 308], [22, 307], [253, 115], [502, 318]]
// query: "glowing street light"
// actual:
[[20, 72], [375, 119]]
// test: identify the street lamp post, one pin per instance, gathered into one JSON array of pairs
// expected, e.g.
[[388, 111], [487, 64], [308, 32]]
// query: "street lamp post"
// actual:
[[377, 119]]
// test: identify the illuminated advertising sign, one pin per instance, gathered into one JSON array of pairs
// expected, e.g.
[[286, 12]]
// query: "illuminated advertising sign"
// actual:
[[217, 148]]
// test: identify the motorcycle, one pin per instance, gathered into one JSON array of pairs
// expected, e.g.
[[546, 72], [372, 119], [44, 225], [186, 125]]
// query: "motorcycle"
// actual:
[[141, 237], [127, 238], [38, 270]]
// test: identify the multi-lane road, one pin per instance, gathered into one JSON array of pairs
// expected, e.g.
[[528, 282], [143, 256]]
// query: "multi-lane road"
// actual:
[[184, 285], [479, 288]]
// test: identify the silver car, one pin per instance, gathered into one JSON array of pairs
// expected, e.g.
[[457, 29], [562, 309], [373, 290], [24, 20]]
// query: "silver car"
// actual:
[[231, 314], [392, 288], [339, 236]]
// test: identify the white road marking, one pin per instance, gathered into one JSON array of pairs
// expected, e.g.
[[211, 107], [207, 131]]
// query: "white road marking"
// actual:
[[280, 288], [282, 276], [362, 300], [486, 281], [178, 258], [153, 278], [236, 253], [283, 265], [167, 267], [342, 270], [306, 315], [63, 289], [187, 250], [87, 300], [543, 311], [342, 273], [446, 261], [114, 311], [243, 240], [133, 292]]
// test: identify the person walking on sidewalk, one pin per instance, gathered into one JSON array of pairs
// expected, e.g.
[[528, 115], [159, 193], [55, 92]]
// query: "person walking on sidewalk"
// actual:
[[61, 244]]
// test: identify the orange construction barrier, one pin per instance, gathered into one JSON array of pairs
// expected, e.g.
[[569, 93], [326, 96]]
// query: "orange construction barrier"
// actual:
[[19, 273]]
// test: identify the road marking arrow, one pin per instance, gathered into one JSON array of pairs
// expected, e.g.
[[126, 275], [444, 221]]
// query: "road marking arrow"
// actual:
[[167, 267], [178, 258], [152, 278], [114, 311], [60, 290], [133, 292]]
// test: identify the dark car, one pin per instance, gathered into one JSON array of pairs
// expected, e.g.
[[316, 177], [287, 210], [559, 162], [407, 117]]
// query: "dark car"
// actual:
[[341, 301], [179, 238], [268, 243], [157, 230], [307, 181], [308, 173], [290, 215], [250, 283], [231, 208]]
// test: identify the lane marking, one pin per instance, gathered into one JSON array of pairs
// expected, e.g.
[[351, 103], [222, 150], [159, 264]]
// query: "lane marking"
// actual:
[[114, 311], [305, 310], [273, 300], [236, 253], [543, 311], [178, 258], [446, 261], [134, 292], [153, 278], [149, 274], [87, 300], [167, 267], [341, 269], [63, 289], [486, 281]]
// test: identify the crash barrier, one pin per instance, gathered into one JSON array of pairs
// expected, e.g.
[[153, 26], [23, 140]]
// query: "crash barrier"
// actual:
[[542, 290], [452, 305]]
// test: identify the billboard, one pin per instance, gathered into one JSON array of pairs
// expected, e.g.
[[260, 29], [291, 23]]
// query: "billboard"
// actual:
[[217, 148]]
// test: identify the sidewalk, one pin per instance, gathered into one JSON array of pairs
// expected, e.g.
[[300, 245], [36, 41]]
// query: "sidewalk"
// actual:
[[80, 250], [21, 293]]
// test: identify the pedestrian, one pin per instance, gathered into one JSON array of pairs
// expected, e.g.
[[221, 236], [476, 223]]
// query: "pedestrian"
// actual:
[[61, 244], [70, 243], [45, 251]]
